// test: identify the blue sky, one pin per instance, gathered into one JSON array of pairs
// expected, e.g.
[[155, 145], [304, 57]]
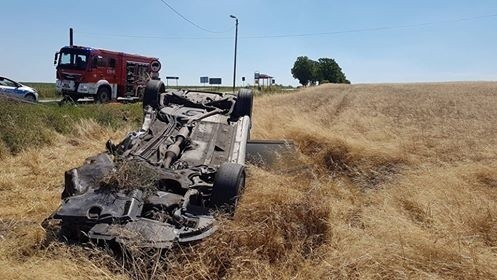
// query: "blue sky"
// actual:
[[444, 51]]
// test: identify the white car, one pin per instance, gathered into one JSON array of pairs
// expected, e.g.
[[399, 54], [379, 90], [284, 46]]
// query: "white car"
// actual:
[[14, 89]]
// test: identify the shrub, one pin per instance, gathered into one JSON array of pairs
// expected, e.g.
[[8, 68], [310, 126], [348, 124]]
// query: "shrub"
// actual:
[[23, 125]]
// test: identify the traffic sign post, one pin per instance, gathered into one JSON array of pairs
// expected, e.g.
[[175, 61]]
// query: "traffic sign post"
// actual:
[[204, 80], [215, 81], [171, 78]]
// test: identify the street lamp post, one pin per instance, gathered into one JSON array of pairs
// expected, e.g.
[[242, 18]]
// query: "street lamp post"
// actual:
[[236, 45]]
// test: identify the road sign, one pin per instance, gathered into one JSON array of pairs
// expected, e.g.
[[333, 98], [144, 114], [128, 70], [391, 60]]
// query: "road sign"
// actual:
[[204, 80], [243, 79], [172, 78], [215, 81]]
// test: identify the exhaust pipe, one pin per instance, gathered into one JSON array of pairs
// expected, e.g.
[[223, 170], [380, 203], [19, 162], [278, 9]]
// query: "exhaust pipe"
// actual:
[[71, 42]]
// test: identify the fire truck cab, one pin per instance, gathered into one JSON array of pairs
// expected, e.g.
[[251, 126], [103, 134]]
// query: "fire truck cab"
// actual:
[[103, 75]]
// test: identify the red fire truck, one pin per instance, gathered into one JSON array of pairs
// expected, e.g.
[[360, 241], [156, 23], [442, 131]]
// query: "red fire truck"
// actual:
[[104, 75]]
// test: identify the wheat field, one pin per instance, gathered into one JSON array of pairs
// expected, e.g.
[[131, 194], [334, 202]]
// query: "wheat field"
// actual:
[[400, 182]]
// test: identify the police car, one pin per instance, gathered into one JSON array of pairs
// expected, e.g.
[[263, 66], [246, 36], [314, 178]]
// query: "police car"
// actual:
[[14, 89]]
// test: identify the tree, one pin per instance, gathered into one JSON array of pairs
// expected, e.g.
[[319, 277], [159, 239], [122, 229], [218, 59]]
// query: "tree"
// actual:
[[325, 69], [316, 73], [304, 70], [329, 70]]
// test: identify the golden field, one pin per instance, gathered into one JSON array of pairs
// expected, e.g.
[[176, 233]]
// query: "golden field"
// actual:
[[401, 183]]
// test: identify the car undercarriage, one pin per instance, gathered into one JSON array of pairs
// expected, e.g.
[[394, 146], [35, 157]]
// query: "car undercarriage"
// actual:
[[165, 183]]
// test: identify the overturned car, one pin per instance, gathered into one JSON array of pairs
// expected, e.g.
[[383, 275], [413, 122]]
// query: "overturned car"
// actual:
[[163, 184]]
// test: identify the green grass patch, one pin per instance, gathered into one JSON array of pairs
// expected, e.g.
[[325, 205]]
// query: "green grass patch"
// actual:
[[45, 90], [26, 125]]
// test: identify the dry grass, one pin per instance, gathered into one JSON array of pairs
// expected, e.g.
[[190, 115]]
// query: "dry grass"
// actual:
[[30, 187], [129, 176], [403, 184]]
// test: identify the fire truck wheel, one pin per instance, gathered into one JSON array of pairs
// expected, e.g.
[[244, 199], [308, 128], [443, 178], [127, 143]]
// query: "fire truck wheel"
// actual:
[[103, 95]]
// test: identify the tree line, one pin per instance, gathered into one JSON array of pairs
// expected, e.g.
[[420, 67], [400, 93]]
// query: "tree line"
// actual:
[[324, 70]]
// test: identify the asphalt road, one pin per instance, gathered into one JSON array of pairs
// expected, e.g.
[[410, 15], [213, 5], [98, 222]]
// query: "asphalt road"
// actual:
[[50, 100]]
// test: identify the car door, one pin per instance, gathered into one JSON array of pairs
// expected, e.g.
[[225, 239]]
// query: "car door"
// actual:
[[7, 87], [14, 89]]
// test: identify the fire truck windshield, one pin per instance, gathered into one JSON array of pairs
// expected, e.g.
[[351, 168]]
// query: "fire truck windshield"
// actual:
[[73, 60]]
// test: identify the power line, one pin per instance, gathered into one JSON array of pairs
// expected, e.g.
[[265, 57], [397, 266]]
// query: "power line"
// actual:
[[317, 34], [151, 36], [187, 20], [372, 29]]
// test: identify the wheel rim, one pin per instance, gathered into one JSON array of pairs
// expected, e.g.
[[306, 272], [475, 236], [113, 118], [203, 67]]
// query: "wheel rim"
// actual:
[[103, 96]]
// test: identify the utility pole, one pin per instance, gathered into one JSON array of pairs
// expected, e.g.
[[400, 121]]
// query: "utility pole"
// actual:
[[71, 40], [236, 46]]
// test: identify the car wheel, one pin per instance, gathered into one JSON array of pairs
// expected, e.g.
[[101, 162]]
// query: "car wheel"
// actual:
[[244, 102], [103, 95], [228, 185], [152, 93], [30, 98]]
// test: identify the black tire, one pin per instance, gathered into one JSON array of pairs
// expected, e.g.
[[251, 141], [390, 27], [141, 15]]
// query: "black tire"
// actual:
[[30, 98], [67, 99], [228, 185], [244, 102], [152, 93], [103, 95]]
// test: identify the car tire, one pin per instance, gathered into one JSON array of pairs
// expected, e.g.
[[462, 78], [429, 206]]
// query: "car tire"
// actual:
[[244, 103], [228, 185], [103, 95], [30, 98], [152, 93]]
